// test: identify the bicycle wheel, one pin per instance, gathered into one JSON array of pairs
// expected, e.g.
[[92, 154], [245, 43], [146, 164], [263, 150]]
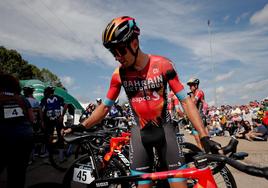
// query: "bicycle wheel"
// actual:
[[113, 169], [222, 175]]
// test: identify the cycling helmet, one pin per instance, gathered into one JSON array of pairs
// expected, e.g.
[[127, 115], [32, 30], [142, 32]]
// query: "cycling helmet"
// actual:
[[49, 89], [126, 105], [98, 100], [91, 105], [193, 81], [28, 88], [119, 30]]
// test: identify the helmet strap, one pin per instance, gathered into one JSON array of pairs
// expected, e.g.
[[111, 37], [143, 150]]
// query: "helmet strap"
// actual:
[[135, 54]]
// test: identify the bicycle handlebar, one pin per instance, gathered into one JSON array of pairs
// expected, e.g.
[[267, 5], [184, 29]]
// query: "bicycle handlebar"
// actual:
[[248, 169], [230, 148]]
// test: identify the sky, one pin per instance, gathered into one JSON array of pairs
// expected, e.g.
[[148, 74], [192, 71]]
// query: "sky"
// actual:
[[229, 56]]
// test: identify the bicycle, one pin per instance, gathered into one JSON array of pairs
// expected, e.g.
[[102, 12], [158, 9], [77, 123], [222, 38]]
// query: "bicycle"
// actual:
[[201, 174], [121, 165], [94, 159], [222, 174]]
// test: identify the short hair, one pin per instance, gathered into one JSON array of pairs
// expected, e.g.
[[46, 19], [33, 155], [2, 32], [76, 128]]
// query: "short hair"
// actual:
[[9, 83]]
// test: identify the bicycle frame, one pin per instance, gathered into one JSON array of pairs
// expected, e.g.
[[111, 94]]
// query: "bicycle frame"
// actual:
[[116, 144], [203, 176]]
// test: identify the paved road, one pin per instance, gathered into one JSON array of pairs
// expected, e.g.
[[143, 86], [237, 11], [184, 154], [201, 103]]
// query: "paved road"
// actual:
[[41, 171]]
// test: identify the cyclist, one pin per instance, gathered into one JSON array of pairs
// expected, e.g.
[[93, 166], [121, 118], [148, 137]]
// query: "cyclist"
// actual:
[[116, 110], [53, 109], [16, 133], [89, 109], [145, 78], [99, 101], [198, 97]]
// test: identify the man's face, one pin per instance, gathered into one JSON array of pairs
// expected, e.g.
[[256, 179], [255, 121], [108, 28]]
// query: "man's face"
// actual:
[[123, 55], [192, 87]]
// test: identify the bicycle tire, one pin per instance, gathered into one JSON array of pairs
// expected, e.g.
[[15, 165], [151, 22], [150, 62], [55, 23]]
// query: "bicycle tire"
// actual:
[[106, 173], [222, 174]]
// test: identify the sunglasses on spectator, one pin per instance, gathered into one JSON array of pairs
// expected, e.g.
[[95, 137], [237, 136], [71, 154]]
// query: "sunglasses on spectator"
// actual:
[[119, 50]]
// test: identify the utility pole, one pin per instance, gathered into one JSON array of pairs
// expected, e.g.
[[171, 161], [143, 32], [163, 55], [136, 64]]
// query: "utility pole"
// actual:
[[212, 63]]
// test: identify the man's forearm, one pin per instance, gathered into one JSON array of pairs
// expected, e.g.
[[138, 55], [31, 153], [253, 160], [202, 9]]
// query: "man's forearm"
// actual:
[[98, 114]]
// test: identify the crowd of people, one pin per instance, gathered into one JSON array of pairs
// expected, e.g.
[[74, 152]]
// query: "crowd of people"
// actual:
[[247, 121]]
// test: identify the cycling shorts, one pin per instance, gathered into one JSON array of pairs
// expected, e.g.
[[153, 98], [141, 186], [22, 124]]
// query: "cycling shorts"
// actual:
[[164, 141]]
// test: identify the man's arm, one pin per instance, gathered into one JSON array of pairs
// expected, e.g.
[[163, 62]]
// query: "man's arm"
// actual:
[[98, 114], [193, 115]]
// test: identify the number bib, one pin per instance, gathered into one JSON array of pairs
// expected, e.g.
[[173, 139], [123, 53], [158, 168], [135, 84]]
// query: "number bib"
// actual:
[[12, 112], [83, 174]]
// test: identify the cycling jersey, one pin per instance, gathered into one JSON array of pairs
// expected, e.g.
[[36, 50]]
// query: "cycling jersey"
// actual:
[[51, 106], [147, 89], [13, 108], [200, 98]]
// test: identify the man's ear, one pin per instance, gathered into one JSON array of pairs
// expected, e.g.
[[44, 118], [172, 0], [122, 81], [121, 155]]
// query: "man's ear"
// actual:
[[135, 44]]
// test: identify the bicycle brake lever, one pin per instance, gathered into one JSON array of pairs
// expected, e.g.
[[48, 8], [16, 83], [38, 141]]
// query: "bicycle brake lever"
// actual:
[[231, 147]]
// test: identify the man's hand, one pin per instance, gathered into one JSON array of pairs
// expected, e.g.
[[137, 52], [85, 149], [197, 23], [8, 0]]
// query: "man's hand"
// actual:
[[65, 131], [75, 128], [210, 145]]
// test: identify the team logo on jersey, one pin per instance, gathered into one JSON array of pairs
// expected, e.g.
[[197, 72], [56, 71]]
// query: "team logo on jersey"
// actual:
[[156, 96], [140, 85], [155, 70], [51, 100]]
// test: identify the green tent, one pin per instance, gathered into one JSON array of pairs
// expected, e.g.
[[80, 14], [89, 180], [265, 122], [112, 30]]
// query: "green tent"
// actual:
[[39, 87]]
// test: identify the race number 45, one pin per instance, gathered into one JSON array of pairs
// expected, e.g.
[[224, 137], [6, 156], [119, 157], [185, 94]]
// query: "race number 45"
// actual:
[[83, 175]]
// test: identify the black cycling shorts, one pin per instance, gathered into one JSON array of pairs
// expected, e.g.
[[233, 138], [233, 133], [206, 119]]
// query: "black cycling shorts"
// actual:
[[163, 140]]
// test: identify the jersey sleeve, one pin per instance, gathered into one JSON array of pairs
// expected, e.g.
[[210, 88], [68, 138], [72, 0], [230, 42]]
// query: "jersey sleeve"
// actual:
[[199, 95], [114, 89], [173, 80]]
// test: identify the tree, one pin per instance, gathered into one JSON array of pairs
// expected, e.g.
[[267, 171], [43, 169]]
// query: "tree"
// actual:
[[11, 62]]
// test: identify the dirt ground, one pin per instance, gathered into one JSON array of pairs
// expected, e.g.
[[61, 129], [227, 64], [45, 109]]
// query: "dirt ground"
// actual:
[[41, 171]]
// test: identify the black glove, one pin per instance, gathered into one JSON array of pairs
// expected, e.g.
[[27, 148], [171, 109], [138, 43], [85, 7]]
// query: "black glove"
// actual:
[[78, 128], [210, 145]]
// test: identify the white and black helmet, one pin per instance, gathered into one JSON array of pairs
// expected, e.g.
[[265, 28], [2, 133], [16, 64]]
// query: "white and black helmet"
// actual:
[[193, 81], [98, 100]]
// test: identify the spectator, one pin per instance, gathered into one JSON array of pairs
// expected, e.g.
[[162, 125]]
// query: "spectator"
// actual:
[[243, 128], [260, 132], [216, 127], [16, 133], [248, 116]]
